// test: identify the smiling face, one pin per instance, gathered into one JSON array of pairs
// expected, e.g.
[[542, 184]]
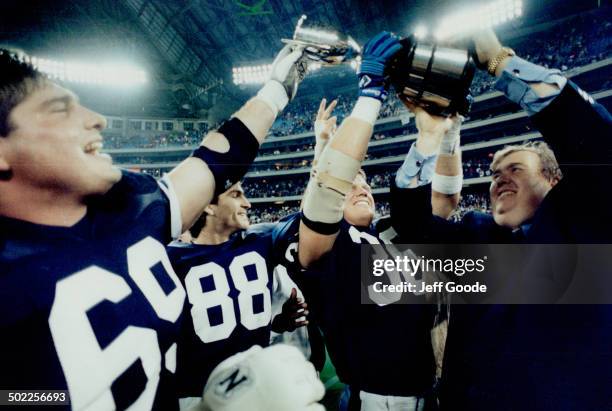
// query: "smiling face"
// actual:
[[518, 188], [359, 205], [231, 208], [54, 145]]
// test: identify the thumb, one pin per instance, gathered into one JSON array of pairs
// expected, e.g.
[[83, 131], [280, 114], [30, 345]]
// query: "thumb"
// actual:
[[295, 54]]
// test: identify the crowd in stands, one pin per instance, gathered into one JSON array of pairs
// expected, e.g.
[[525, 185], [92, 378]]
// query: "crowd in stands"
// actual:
[[477, 167], [153, 140], [469, 202], [472, 202], [275, 188], [296, 186], [271, 214], [473, 167], [299, 118]]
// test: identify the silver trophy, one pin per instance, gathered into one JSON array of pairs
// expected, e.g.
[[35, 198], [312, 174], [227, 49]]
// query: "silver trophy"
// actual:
[[434, 77], [325, 47]]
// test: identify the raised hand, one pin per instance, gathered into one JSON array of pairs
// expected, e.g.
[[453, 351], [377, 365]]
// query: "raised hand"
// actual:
[[324, 126], [376, 54], [292, 316]]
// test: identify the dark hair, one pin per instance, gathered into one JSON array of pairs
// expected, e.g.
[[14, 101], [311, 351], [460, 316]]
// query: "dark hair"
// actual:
[[18, 79]]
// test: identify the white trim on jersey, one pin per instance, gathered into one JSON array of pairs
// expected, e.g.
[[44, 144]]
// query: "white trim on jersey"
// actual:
[[176, 222]]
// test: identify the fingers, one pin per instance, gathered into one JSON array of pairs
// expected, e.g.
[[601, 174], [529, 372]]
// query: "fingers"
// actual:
[[330, 108], [299, 324], [299, 314], [297, 52], [321, 109], [323, 113], [293, 294]]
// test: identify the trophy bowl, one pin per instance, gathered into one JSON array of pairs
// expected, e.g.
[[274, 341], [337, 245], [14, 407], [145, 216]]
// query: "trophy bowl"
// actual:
[[326, 47]]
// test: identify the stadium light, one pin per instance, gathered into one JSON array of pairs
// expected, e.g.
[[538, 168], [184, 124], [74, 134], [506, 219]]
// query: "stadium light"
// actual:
[[481, 17], [420, 31], [259, 74], [102, 74], [251, 74]]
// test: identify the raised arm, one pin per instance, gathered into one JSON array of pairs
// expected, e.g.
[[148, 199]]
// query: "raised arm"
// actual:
[[434, 158], [448, 177], [577, 128], [340, 161], [226, 154]]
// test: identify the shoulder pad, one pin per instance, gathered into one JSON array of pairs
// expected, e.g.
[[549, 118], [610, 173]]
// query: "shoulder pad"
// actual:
[[286, 226], [260, 228]]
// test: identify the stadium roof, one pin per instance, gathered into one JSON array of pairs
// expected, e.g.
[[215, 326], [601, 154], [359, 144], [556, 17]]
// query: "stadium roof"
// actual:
[[189, 46]]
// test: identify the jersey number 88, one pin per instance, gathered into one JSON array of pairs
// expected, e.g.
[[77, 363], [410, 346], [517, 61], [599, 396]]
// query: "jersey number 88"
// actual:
[[203, 301]]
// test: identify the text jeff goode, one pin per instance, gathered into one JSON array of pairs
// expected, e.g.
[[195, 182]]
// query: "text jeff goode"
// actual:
[[422, 287]]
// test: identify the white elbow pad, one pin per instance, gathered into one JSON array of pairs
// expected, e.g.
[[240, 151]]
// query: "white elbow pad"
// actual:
[[329, 184]]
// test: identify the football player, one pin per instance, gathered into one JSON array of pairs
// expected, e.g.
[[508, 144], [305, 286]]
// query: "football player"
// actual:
[[227, 271], [88, 299], [383, 350]]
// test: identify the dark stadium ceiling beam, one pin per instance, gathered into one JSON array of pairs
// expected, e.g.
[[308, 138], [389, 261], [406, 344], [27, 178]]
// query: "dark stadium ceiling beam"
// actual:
[[156, 18]]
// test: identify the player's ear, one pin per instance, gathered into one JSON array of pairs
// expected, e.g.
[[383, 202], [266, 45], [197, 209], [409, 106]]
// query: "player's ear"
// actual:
[[210, 209], [5, 167]]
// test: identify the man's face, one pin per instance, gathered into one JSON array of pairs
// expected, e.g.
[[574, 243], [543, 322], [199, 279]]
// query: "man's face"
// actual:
[[231, 208], [359, 204], [518, 188], [55, 145]]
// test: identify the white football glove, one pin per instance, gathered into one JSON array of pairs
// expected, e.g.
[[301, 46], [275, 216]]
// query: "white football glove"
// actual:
[[276, 378], [288, 69]]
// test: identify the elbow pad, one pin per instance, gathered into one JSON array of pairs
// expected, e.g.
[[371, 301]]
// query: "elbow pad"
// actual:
[[324, 202], [228, 168]]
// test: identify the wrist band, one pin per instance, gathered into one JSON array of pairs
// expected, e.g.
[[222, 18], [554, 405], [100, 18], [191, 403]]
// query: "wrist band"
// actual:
[[274, 95], [447, 184], [366, 109]]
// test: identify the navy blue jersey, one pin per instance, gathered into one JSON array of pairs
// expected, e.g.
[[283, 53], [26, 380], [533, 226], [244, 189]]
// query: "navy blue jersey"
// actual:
[[94, 308], [382, 349], [229, 288]]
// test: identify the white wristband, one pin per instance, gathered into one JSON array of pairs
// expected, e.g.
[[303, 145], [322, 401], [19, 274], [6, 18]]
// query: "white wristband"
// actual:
[[274, 95], [450, 140], [366, 109], [447, 184]]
